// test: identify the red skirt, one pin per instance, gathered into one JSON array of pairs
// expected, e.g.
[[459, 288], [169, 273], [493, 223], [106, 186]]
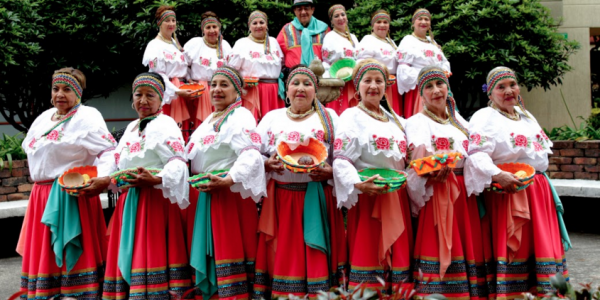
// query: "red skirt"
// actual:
[[160, 261], [465, 277], [286, 265], [413, 103], [345, 100], [269, 99], [41, 277], [234, 231], [541, 253], [391, 93], [365, 234], [189, 113]]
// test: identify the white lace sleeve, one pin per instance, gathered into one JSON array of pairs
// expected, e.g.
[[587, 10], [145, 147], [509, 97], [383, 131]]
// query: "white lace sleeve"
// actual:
[[406, 74], [175, 172], [346, 150], [417, 187]]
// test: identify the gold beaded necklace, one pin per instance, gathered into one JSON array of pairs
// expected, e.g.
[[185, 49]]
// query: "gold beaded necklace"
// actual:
[[256, 40], [434, 117], [58, 116], [299, 116], [515, 117], [343, 34], [162, 38], [382, 118], [424, 40], [214, 46]]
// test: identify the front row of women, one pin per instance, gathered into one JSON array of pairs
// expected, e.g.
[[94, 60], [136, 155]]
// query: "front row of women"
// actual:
[[463, 248]]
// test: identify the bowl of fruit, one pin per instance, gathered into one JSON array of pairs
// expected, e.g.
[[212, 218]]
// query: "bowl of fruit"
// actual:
[[302, 159], [523, 172], [75, 179]]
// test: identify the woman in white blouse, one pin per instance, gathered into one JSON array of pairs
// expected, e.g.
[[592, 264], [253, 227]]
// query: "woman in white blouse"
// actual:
[[380, 46], [63, 237], [527, 234], [416, 51], [380, 236], [338, 44], [224, 210], [164, 55], [302, 245], [259, 56], [146, 249], [205, 54], [449, 251]]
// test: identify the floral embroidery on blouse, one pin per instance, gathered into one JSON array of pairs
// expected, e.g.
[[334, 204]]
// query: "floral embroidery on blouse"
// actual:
[[439, 57], [255, 54], [402, 147], [399, 55], [176, 146], [465, 145], [208, 140], [271, 138], [428, 53], [538, 147], [294, 136], [383, 143], [32, 144], [190, 147], [519, 140], [137, 146], [117, 158], [349, 53], [254, 137], [442, 143], [341, 144], [319, 135], [327, 54], [109, 138], [385, 52], [205, 61], [170, 56], [219, 63], [411, 150], [55, 135], [543, 135], [477, 139]]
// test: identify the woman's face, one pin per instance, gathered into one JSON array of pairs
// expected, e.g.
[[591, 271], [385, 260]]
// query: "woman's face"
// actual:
[[381, 28], [211, 32], [435, 93], [168, 27], [258, 28], [339, 20], [505, 94], [372, 87], [63, 97], [421, 25], [146, 101], [222, 92], [301, 92]]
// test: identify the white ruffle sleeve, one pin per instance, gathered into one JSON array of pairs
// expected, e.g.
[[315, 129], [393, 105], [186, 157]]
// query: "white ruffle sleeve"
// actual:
[[166, 60], [345, 173]]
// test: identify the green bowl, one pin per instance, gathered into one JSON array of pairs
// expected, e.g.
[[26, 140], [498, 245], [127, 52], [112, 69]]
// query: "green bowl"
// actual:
[[342, 63], [394, 179], [203, 178], [117, 177]]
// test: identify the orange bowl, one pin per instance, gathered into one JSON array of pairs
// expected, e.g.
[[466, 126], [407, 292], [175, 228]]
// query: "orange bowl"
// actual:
[[194, 87], [314, 149], [72, 180], [391, 80], [435, 162], [250, 81], [514, 168]]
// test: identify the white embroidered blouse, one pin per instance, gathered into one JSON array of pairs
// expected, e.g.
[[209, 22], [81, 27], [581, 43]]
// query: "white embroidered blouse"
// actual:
[[203, 59], [372, 47], [159, 146], [363, 142], [236, 148], [412, 56], [495, 139], [249, 58], [83, 140], [427, 137], [276, 127], [336, 47], [166, 60]]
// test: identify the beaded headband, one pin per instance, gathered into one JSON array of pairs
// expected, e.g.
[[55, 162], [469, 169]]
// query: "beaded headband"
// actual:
[[70, 80], [234, 78], [257, 14], [210, 20], [381, 16], [304, 71], [366, 68], [421, 12], [164, 16], [333, 8], [149, 81], [433, 74], [496, 76]]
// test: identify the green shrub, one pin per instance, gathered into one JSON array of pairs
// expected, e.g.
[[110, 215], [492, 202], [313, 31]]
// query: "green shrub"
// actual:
[[10, 149]]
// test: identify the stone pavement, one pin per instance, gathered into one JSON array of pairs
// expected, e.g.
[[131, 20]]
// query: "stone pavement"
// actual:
[[583, 262]]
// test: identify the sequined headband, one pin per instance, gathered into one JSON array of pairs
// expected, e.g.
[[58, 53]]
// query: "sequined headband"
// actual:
[[70, 80], [210, 20], [333, 8], [304, 71], [164, 16], [495, 77], [433, 74], [421, 12], [149, 81], [366, 68], [381, 16], [257, 14], [234, 78]]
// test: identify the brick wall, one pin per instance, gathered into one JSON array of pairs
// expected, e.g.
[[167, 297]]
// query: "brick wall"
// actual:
[[575, 160], [15, 184]]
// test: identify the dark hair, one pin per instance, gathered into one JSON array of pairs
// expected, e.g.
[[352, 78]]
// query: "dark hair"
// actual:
[[161, 10], [76, 73], [208, 14], [154, 75]]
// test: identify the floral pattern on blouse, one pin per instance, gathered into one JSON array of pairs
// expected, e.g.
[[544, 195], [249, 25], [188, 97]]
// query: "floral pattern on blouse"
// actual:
[[519, 140], [136, 146], [442, 143], [54, 135], [254, 137], [341, 144], [109, 138], [319, 135], [176, 146], [209, 139], [382, 143], [477, 139]]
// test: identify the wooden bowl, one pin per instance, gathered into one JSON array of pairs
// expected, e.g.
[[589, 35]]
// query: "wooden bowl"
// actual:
[[315, 149], [435, 162], [514, 168]]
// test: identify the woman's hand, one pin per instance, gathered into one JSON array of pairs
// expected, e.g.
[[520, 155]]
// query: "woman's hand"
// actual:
[[322, 173], [216, 183], [186, 93], [143, 178], [370, 188], [507, 181], [274, 165], [439, 176], [98, 184]]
